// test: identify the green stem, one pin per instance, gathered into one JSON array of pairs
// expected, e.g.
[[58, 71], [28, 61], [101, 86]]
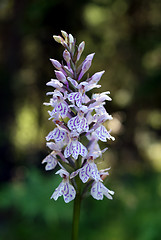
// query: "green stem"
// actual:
[[76, 211]]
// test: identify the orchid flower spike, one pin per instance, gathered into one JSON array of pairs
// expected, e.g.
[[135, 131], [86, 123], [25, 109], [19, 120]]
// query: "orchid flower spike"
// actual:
[[78, 124]]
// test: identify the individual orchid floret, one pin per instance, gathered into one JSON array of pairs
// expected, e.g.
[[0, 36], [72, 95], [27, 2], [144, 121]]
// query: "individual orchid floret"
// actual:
[[76, 97], [103, 134], [98, 190], [74, 147], [65, 188], [51, 161], [59, 104], [88, 171], [79, 123], [57, 135]]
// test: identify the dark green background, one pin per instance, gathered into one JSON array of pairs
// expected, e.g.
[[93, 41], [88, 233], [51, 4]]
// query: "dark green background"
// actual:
[[126, 37]]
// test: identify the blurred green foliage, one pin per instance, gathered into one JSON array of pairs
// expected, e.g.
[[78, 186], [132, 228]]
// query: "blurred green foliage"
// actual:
[[125, 35]]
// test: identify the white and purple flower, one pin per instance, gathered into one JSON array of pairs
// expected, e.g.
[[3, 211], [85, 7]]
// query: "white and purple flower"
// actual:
[[65, 188], [78, 123]]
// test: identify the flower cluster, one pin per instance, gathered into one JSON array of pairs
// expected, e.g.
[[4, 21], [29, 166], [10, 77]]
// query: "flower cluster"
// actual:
[[78, 123]]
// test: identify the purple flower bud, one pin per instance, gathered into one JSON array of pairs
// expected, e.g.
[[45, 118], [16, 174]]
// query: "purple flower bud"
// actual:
[[60, 76], [80, 50], [56, 64], [66, 56], [96, 77], [65, 35], [86, 65]]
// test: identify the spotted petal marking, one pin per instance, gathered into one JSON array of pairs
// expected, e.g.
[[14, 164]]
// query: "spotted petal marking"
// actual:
[[83, 150], [89, 171], [69, 192], [98, 190], [61, 109], [73, 123], [65, 189], [75, 149], [80, 124], [74, 96], [84, 173], [67, 151], [58, 191], [77, 97], [102, 134], [51, 162], [57, 134]]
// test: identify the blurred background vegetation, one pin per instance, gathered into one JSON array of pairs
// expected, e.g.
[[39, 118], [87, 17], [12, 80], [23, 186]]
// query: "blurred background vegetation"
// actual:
[[126, 37]]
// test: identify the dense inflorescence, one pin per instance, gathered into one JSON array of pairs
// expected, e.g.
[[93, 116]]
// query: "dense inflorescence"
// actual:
[[78, 124]]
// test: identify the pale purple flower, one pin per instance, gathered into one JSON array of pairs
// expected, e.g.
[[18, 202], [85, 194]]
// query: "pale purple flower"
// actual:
[[88, 171], [78, 123], [103, 134], [65, 188], [74, 147], [98, 190], [57, 134], [86, 65], [51, 161]]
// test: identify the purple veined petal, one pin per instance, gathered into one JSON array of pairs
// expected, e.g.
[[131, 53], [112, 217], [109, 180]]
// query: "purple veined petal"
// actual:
[[69, 192], [107, 192], [75, 149], [74, 96], [73, 123], [62, 109], [57, 134], [67, 151], [83, 150], [51, 162], [96, 191], [70, 124], [101, 133], [79, 102], [94, 173], [84, 173], [84, 125], [58, 191]]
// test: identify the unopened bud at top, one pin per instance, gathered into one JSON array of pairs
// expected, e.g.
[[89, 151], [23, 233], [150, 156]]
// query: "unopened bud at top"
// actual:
[[80, 49], [56, 64], [96, 77], [66, 56], [71, 41], [65, 35], [86, 65], [60, 40], [60, 76]]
